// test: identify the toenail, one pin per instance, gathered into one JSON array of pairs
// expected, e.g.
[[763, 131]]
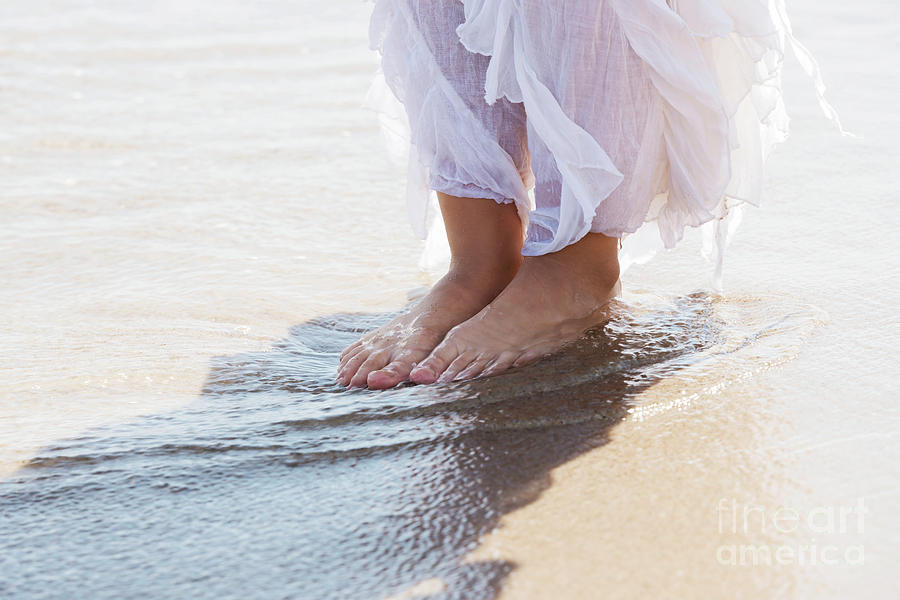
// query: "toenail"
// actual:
[[423, 375]]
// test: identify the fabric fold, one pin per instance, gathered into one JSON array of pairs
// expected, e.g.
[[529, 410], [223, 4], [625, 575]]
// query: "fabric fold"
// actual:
[[638, 114]]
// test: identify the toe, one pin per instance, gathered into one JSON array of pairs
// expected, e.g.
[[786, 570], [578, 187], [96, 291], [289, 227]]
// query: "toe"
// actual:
[[396, 372], [437, 362], [350, 349], [501, 363], [376, 361], [349, 354], [526, 358], [475, 368], [459, 363], [351, 366]]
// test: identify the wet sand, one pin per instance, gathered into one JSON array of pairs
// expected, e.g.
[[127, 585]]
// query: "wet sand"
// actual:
[[198, 216], [687, 502]]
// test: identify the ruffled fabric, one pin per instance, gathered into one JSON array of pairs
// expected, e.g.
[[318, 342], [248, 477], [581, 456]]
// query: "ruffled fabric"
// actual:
[[449, 145], [643, 117]]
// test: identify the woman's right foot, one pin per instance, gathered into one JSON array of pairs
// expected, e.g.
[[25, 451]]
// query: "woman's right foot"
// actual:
[[552, 300], [384, 358]]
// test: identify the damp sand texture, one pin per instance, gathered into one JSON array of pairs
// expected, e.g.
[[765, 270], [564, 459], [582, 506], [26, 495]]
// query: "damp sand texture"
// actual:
[[198, 216]]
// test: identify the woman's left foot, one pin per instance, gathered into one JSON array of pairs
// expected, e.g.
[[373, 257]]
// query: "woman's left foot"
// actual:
[[551, 301]]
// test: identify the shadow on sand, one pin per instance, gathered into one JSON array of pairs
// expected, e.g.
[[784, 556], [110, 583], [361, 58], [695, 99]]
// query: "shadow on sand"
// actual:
[[277, 483]]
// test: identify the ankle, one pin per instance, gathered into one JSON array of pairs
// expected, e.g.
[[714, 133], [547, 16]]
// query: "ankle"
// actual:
[[486, 266], [595, 260], [605, 274], [485, 279], [592, 273]]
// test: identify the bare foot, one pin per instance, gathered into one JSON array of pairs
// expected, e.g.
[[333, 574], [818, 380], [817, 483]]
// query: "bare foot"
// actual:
[[485, 244], [552, 300], [384, 357]]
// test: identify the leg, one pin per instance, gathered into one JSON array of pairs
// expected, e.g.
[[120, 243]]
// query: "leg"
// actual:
[[485, 244], [551, 301], [485, 236], [600, 85]]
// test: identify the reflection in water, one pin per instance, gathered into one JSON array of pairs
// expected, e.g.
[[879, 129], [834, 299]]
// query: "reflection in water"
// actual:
[[278, 483]]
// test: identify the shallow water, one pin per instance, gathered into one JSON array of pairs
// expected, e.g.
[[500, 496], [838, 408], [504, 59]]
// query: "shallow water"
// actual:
[[198, 217], [275, 479]]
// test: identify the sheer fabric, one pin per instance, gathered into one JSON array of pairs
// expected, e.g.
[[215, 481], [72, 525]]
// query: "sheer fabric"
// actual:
[[612, 116]]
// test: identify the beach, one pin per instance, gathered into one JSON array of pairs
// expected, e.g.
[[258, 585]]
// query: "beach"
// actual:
[[199, 215]]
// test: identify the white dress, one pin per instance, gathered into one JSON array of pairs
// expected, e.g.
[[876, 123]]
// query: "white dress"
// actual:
[[619, 116]]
